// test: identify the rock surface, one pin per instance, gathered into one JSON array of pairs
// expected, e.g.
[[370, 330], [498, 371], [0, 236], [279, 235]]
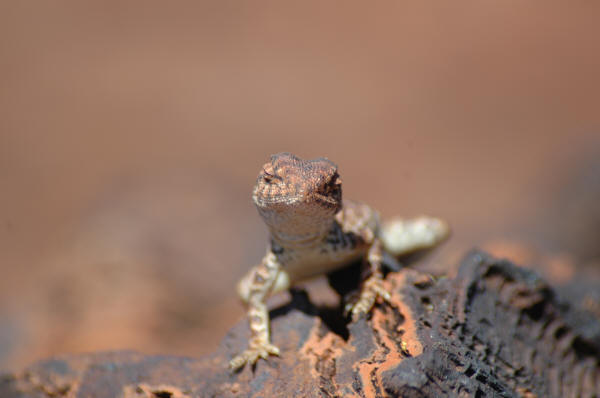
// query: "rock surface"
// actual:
[[495, 330]]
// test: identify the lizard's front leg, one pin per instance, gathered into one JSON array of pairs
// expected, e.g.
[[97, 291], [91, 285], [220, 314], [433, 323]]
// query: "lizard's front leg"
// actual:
[[254, 289], [372, 286]]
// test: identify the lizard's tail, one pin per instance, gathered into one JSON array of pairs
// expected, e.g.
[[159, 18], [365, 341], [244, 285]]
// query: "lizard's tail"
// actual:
[[400, 236]]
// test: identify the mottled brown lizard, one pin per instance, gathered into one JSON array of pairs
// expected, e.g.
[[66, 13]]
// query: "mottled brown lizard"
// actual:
[[313, 233]]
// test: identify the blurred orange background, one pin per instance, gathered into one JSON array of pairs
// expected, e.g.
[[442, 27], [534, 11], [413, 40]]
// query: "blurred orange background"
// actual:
[[131, 134]]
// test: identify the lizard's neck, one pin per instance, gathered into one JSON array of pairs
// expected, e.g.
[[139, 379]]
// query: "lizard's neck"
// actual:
[[299, 241]]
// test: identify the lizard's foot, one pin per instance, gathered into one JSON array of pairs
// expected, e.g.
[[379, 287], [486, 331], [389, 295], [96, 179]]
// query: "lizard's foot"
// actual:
[[252, 354], [371, 289]]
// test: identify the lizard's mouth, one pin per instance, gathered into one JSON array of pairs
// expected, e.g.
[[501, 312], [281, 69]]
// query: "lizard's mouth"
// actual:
[[328, 200], [325, 198], [275, 199]]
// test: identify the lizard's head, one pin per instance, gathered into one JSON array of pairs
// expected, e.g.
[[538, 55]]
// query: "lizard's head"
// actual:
[[298, 198]]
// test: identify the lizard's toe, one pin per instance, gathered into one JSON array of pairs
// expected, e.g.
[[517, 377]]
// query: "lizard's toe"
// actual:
[[372, 288], [238, 362], [271, 349], [264, 351], [381, 292], [252, 355]]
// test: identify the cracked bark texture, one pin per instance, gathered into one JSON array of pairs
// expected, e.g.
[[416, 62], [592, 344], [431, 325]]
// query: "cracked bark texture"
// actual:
[[495, 330]]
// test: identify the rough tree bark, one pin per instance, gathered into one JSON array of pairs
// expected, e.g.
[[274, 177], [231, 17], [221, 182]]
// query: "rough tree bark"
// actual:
[[495, 330]]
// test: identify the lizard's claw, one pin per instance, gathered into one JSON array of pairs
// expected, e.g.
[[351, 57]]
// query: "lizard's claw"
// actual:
[[252, 354], [372, 288]]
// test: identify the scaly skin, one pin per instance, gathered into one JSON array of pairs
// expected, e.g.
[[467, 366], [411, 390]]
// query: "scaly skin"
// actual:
[[313, 233]]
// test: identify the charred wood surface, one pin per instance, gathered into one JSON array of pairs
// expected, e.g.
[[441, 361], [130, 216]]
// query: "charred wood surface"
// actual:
[[495, 330]]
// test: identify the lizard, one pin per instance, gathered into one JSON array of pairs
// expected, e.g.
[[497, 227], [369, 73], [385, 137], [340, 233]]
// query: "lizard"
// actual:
[[312, 232]]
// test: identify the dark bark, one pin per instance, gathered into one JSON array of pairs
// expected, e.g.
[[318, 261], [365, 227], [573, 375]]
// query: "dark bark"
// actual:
[[496, 330]]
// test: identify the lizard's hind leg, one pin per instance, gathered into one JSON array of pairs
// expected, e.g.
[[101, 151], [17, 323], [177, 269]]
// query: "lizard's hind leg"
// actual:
[[401, 237], [372, 286]]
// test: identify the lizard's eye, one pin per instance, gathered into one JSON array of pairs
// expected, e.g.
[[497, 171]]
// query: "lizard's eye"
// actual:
[[336, 181], [268, 177], [332, 187]]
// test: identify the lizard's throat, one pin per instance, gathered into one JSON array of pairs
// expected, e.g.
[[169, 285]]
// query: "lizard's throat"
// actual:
[[298, 241]]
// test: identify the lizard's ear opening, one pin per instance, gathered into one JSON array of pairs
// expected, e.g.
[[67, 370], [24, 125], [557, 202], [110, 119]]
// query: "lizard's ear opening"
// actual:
[[332, 187], [329, 193]]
